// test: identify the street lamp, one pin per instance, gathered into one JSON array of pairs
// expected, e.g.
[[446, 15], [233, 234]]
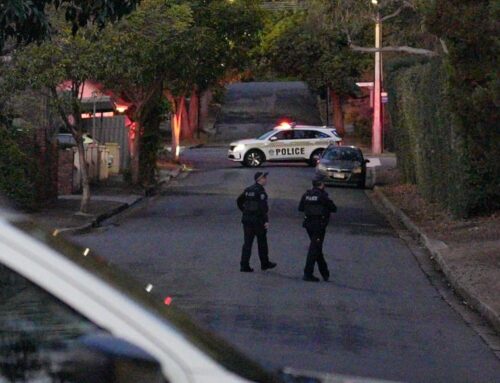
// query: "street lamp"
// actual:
[[377, 102]]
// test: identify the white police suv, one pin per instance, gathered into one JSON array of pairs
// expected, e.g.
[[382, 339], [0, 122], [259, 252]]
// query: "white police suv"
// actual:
[[286, 142]]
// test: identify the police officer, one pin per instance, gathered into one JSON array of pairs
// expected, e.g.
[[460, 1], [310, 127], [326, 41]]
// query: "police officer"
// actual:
[[317, 207], [253, 203]]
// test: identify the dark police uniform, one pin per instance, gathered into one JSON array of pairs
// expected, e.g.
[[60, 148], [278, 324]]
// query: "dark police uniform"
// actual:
[[253, 203], [317, 207]]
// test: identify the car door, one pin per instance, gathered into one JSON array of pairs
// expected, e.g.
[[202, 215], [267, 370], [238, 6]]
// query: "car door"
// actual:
[[302, 144], [277, 148], [43, 339]]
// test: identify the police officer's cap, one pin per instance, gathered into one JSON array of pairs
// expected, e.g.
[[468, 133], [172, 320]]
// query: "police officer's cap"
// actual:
[[259, 175], [317, 181]]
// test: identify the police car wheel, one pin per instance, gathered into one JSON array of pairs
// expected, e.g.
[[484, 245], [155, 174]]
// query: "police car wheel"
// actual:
[[254, 158], [315, 156]]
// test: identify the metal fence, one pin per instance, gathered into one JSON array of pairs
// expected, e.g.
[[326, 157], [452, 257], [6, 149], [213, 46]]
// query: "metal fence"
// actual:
[[111, 130]]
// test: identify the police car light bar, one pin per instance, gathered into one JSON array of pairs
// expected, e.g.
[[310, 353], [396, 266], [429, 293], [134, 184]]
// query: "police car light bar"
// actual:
[[286, 125]]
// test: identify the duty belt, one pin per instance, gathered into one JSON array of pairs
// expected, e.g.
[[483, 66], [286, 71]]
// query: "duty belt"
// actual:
[[314, 210], [251, 206]]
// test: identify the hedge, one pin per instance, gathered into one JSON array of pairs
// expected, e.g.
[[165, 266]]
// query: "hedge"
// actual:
[[452, 156], [18, 171]]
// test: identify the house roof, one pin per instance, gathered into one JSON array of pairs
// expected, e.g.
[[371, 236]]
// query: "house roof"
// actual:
[[102, 104]]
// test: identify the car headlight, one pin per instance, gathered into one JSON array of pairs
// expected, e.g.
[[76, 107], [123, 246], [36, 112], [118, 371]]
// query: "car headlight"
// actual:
[[321, 167], [357, 170], [239, 148]]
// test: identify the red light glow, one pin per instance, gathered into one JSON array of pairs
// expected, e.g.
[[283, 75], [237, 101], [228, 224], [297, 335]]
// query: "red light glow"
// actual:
[[121, 108], [86, 116], [168, 300], [285, 125]]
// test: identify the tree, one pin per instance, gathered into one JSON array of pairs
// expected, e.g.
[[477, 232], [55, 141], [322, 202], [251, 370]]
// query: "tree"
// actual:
[[403, 19], [27, 20], [59, 68], [140, 54], [219, 45], [321, 57]]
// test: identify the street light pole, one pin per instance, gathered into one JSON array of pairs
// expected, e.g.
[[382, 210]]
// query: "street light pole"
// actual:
[[94, 96], [377, 102]]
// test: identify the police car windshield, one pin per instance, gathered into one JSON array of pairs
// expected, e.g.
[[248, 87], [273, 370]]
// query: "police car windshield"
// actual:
[[266, 135]]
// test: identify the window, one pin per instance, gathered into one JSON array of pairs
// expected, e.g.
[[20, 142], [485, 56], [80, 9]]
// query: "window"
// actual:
[[309, 135], [284, 135], [34, 327], [299, 134], [266, 135], [320, 135]]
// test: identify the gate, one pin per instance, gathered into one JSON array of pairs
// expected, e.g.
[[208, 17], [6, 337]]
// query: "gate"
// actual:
[[111, 130]]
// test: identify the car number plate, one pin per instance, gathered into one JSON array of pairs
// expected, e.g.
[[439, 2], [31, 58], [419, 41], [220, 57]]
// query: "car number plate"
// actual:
[[339, 175]]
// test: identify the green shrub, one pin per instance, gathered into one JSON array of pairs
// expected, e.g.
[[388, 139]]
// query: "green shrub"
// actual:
[[450, 154], [17, 171], [363, 129]]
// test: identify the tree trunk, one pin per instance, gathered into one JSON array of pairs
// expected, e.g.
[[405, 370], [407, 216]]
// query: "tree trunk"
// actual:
[[194, 104], [178, 106], [75, 127], [150, 143], [184, 120], [145, 138], [338, 113], [204, 102], [135, 152], [85, 202]]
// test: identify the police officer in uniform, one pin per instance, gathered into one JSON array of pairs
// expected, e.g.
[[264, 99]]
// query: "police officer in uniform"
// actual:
[[253, 203], [317, 207]]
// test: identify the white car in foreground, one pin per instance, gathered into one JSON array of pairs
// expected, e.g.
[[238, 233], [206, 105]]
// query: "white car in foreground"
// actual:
[[67, 316], [286, 142]]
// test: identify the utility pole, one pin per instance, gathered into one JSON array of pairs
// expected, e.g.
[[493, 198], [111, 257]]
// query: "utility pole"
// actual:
[[377, 102], [94, 99], [327, 105]]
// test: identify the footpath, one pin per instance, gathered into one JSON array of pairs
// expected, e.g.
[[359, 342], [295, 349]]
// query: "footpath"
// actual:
[[467, 251], [108, 198]]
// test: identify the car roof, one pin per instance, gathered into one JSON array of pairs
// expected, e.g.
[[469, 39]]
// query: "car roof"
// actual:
[[303, 127], [345, 147]]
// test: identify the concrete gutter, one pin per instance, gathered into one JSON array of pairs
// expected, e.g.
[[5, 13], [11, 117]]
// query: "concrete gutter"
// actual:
[[437, 249]]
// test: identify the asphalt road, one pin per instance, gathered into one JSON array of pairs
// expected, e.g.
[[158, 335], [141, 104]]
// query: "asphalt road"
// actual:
[[379, 316]]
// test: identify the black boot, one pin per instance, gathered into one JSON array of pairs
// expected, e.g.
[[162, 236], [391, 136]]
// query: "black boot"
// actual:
[[310, 278], [326, 276], [269, 265], [246, 269]]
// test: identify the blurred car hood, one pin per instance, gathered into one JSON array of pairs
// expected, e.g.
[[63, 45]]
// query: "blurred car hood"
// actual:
[[292, 375]]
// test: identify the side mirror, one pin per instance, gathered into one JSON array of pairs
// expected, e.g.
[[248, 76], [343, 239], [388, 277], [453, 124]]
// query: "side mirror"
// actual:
[[104, 358], [273, 138], [366, 161]]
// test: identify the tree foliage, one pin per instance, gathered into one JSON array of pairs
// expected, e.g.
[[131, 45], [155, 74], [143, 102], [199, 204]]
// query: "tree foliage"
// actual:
[[59, 68], [300, 47], [27, 20], [455, 101], [18, 169], [142, 53]]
